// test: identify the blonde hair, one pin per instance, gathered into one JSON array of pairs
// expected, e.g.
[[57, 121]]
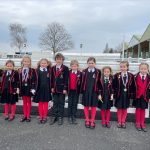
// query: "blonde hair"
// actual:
[[125, 62], [146, 64], [44, 59], [26, 57], [74, 62]]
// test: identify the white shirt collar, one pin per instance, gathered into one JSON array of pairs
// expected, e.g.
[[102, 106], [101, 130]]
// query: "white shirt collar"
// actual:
[[9, 72], [89, 69], [143, 75], [42, 69], [106, 78], [58, 66], [126, 73], [74, 71]]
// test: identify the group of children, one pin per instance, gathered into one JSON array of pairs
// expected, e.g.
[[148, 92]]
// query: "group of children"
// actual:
[[52, 83]]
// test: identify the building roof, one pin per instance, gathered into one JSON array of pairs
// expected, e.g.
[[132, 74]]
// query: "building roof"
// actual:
[[146, 34]]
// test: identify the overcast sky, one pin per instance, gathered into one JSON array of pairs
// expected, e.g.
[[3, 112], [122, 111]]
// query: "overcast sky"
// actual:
[[91, 22]]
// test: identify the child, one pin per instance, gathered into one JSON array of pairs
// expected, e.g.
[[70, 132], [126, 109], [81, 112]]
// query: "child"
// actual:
[[27, 80], [106, 98], [142, 80], [124, 88], [74, 90], [60, 75], [90, 90], [43, 89], [9, 91]]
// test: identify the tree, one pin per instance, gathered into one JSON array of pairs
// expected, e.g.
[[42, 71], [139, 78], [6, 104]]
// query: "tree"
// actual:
[[18, 36], [118, 48], [106, 50], [55, 38]]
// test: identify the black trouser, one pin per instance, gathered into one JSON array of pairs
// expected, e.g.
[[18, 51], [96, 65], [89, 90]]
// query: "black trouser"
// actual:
[[73, 98], [58, 106]]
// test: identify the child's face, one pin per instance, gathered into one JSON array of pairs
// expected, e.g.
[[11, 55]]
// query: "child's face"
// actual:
[[91, 64], [26, 62], [59, 61], [43, 64], [143, 69], [74, 67], [9, 66], [123, 67], [106, 72]]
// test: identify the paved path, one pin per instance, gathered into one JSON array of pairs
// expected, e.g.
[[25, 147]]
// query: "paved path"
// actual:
[[33, 136]]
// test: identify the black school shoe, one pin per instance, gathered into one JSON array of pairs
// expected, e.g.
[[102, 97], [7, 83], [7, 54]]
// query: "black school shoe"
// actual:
[[87, 124], [11, 118], [70, 120], [44, 120], [144, 129], [74, 120], [6, 117], [92, 125], [138, 128], [40, 121], [23, 119], [52, 120], [28, 120], [60, 121], [123, 125]]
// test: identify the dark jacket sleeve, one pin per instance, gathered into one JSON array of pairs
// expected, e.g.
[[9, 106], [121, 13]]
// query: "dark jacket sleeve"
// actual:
[[66, 78]]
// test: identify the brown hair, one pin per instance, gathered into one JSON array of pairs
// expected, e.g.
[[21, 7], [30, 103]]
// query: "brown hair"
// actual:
[[26, 57], [146, 64], [59, 55], [11, 62], [74, 62], [107, 67], [44, 59], [91, 59]]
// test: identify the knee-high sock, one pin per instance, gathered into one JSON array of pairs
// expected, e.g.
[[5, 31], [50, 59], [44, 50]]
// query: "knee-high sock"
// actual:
[[45, 109], [24, 98], [103, 116], [93, 114], [28, 106], [107, 115], [124, 115], [137, 116], [13, 109], [119, 114], [40, 107], [86, 113], [6, 109], [142, 118]]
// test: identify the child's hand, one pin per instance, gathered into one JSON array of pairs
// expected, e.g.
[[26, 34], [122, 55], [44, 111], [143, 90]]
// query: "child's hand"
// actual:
[[111, 98], [51, 104], [100, 98], [64, 92], [33, 91], [17, 91], [149, 100], [52, 90]]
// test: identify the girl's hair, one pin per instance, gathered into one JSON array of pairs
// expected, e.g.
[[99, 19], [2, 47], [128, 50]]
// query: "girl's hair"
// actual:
[[125, 62], [59, 55], [107, 67], [26, 57], [74, 62], [145, 65], [44, 59], [91, 59], [11, 62]]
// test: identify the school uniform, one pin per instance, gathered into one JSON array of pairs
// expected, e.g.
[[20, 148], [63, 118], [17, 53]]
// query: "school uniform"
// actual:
[[60, 76], [9, 88], [27, 78], [43, 91], [73, 94], [142, 83], [106, 103], [124, 91], [1, 73], [90, 91]]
